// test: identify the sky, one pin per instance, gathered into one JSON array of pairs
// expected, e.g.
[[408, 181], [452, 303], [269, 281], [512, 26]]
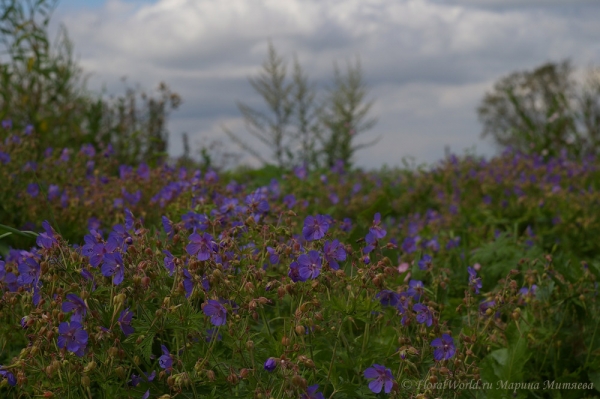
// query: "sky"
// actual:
[[427, 64]]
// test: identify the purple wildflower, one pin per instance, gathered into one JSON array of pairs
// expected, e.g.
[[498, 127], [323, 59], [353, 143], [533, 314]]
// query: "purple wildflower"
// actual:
[[273, 256], [315, 227], [4, 158], [388, 298], [294, 272], [334, 251], [169, 263], [289, 200], [213, 333], [309, 265], [346, 225], [166, 360], [311, 393], [73, 337], [168, 227], [444, 347], [382, 377], [474, 281], [53, 192], [29, 271], [270, 364], [415, 289], [188, 283], [125, 322], [201, 245], [528, 291], [33, 189], [76, 305], [12, 380], [144, 171], [425, 262], [216, 311], [376, 229], [423, 314], [113, 266]]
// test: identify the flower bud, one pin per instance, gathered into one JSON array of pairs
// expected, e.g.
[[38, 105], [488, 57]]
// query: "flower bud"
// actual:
[[89, 367], [120, 371], [244, 373], [250, 345], [85, 381], [299, 382], [285, 341], [210, 375]]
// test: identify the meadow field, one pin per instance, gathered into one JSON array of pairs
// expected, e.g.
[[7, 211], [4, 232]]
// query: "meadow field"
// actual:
[[472, 278]]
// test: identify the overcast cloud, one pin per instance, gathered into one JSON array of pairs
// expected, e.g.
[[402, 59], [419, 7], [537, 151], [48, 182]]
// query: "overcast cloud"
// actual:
[[427, 63]]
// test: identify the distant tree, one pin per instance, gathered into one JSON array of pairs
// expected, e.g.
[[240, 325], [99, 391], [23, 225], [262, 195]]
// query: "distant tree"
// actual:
[[544, 111], [344, 114], [271, 130], [297, 127]]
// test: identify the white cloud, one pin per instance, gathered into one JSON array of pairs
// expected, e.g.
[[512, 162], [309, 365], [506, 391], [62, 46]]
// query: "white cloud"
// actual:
[[428, 63]]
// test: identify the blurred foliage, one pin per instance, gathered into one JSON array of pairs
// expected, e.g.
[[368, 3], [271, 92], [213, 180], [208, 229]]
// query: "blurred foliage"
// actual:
[[544, 111], [42, 85]]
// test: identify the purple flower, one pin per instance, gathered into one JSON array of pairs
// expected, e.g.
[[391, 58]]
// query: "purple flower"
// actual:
[[12, 380], [444, 347], [376, 229], [334, 251], [146, 395], [46, 239], [88, 150], [409, 245], [124, 171], [425, 262], [210, 334], [474, 281], [76, 305], [273, 256], [388, 298], [188, 283], [169, 263], [315, 227], [382, 376], [309, 265], [29, 271], [346, 225], [192, 220], [311, 393], [129, 220], [289, 200], [423, 314], [216, 311], [453, 243], [33, 189], [4, 158], [166, 360], [270, 364], [7, 124], [528, 291], [53, 192], [168, 227], [415, 289], [294, 272], [143, 171], [201, 245], [125, 322], [301, 172], [73, 336], [113, 266]]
